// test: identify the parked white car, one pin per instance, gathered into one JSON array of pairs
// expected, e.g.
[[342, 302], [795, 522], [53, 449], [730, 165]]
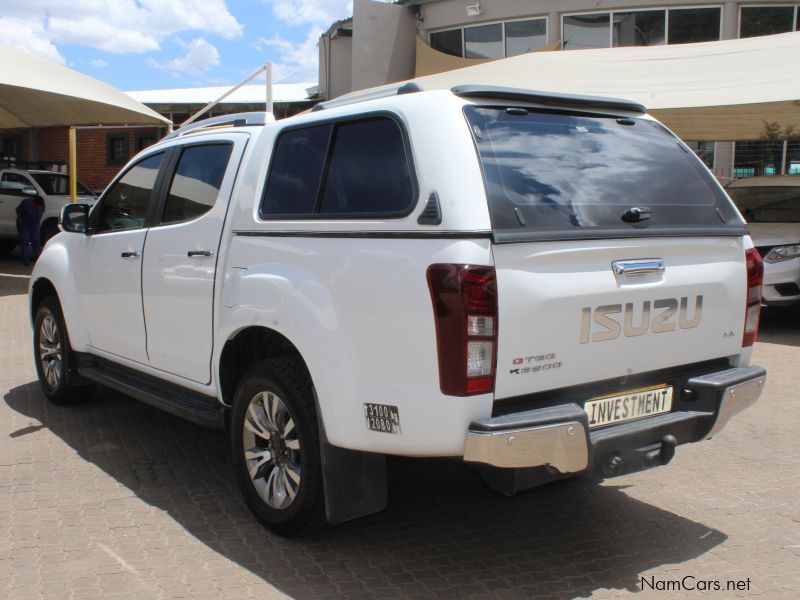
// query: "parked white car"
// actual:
[[771, 206], [544, 285], [50, 185]]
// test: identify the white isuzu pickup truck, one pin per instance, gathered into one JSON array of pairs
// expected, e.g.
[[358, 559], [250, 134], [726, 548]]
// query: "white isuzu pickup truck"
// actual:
[[544, 285]]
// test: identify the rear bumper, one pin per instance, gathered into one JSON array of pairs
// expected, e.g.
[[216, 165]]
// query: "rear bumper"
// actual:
[[558, 439]]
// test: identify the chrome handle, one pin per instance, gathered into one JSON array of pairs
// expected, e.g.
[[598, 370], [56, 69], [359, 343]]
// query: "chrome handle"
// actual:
[[637, 267], [199, 253], [134, 254]]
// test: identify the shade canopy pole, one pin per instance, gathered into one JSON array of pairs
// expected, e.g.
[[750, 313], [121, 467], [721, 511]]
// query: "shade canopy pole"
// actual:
[[73, 165]]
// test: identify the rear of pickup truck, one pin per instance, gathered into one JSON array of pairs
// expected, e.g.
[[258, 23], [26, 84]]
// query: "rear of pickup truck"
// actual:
[[619, 318]]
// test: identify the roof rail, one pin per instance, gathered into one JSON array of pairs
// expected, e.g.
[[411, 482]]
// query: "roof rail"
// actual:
[[547, 98], [235, 120], [410, 87]]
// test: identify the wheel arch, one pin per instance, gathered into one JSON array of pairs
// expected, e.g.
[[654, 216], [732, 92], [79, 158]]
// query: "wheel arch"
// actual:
[[247, 347], [42, 288]]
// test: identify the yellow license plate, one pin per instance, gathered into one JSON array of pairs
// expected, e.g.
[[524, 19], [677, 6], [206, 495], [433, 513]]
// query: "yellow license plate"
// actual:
[[635, 404]]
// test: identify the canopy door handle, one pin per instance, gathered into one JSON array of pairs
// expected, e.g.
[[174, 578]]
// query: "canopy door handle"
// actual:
[[637, 267]]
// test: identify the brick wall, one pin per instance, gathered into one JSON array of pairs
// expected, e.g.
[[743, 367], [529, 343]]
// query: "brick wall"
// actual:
[[92, 146]]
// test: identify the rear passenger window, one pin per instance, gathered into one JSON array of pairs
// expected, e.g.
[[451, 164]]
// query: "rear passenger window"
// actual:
[[357, 168], [293, 182], [195, 185], [368, 172]]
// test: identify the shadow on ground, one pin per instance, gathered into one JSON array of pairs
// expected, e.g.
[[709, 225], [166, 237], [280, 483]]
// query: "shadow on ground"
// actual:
[[443, 535], [780, 326]]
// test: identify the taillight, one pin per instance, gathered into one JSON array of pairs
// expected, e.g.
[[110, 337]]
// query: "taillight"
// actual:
[[465, 306], [755, 275]]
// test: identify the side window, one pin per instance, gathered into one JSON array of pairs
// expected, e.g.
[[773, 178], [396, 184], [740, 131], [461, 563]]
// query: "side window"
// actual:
[[195, 185], [369, 171], [126, 204], [13, 183], [294, 176]]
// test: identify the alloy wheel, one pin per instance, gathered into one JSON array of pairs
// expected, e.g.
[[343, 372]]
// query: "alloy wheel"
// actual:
[[272, 450]]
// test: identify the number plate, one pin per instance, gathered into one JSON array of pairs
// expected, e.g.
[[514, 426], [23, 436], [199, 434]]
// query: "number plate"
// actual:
[[635, 404], [382, 417]]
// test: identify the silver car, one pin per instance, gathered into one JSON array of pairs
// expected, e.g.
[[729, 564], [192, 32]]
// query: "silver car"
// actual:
[[771, 206]]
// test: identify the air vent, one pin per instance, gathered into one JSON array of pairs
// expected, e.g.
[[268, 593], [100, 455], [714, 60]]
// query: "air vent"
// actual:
[[432, 215]]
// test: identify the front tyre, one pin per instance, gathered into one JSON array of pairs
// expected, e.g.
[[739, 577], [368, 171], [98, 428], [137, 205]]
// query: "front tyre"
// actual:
[[52, 354], [275, 447]]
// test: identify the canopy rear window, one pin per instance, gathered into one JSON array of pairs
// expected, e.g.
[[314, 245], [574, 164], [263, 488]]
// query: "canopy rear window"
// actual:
[[562, 176]]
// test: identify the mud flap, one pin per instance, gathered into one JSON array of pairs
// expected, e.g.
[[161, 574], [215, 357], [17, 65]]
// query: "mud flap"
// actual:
[[355, 482]]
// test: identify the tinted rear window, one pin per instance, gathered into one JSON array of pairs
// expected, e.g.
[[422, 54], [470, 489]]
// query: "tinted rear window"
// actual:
[[342, 169], [567, 175]]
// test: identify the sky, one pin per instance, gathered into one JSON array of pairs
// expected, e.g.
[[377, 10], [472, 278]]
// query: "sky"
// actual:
[[159, 44]]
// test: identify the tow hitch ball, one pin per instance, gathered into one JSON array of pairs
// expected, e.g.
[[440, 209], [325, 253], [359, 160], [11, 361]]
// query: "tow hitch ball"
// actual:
[[659, 454]]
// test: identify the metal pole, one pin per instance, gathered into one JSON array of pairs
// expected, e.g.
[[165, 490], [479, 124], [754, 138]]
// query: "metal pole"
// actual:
[[211, 105], [268, 71], [783, 157], [73, 165]]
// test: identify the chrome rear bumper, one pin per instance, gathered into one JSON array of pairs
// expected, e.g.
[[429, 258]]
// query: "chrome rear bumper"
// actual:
[[559, 439]]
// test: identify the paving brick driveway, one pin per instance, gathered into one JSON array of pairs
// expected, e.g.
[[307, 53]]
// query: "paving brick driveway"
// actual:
[[113, 499]]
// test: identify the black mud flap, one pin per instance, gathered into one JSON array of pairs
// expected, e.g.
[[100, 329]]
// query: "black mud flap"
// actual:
[[355, 482]]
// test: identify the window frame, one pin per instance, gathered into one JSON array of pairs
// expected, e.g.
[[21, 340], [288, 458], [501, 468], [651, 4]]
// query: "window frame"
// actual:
[[503, 22], [94, 215], [344, 120], [171, 168], [110, 161], [773, 5], [666, 9]]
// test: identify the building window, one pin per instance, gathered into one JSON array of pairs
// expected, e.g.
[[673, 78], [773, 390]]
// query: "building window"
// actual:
[[492, 40], [639, 28], [793, 157], [652, 27], [752, 159], [766, 20], [118, 153], [688, 25], [484, 41], [587, 31], [525, 36], [449, 42], [143, 140]]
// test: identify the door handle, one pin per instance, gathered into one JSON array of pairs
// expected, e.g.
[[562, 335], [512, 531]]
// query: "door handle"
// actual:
[[637, 267], [134, 254], [199, 253]]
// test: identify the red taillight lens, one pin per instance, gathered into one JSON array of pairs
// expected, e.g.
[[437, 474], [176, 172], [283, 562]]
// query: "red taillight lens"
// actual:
[[755, 276], [465, 306]]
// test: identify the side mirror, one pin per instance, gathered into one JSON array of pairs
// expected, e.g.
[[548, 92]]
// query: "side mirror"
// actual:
[[29, 191], [74, 218]]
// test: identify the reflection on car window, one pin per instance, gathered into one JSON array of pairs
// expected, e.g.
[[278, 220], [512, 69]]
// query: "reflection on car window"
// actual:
[[125, 206], [559, 172], [195, 186], [772, 204]]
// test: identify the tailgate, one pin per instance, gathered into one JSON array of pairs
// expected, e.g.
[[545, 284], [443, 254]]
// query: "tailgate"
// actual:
[[566, 317]]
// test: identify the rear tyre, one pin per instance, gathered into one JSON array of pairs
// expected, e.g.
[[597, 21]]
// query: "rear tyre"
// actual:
[[53, 355], [275, 447]]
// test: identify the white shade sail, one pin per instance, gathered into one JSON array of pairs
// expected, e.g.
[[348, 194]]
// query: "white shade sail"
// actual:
[[728, 90], [38, 93]]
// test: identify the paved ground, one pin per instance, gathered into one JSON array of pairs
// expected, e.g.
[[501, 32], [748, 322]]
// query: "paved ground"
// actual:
[[113, 499]]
